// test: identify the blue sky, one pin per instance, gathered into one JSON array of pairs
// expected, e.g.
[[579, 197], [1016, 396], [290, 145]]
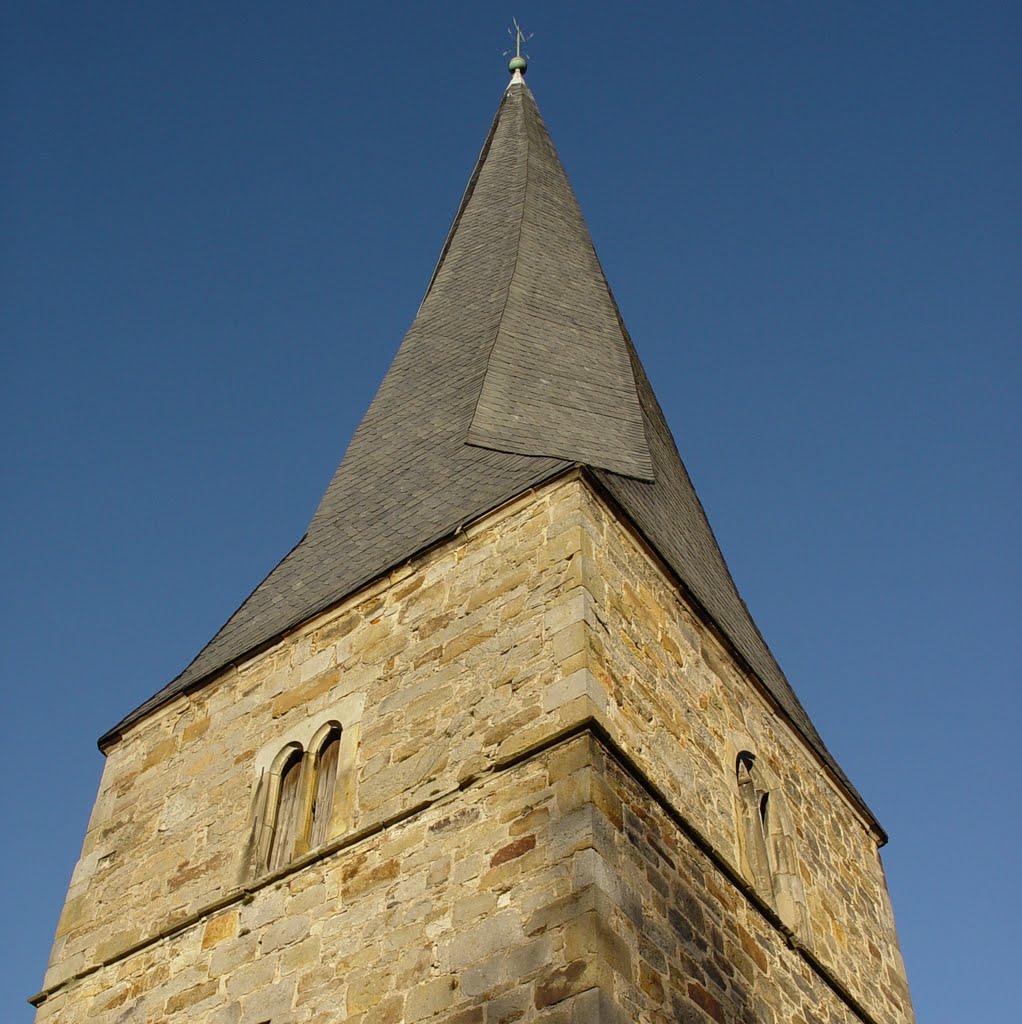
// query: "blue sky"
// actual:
[[217, 222]]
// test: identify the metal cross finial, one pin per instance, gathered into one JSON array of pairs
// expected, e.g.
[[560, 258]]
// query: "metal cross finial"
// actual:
[[519, 36], [519, 61]]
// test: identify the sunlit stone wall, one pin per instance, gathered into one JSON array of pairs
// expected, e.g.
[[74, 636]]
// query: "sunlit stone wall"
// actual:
[[537, 816]]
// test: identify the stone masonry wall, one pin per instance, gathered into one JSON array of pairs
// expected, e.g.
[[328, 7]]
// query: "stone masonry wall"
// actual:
[[687, 945], [680, 706], [545, 614], [552, 889], [443, 912], [442, 667]]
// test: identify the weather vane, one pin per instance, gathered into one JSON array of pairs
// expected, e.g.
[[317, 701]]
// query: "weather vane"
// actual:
[[519, 61]]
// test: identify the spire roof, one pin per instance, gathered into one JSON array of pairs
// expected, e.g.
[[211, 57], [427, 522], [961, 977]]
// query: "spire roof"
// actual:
[[516, 368]]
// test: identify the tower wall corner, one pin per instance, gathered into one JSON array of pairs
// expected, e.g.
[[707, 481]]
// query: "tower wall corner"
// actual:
[[537, 815]]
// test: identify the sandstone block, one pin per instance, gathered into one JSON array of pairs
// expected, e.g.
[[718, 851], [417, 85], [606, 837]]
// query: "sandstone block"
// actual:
[[190, 996], [228, 956], [219, 928], [284, 932], [430, 998], [580, 683], [482, 940], [481, 979]]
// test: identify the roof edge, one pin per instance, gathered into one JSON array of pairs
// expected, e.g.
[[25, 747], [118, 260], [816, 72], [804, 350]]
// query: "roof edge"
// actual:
[[591, 477], [164, 696], [602, 491], [465, 197]]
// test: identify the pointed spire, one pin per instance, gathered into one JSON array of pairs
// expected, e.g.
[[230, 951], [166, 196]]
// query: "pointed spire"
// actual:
[[517, 368]]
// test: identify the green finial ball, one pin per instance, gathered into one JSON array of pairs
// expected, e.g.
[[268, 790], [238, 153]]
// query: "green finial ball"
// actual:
[[517, 64]]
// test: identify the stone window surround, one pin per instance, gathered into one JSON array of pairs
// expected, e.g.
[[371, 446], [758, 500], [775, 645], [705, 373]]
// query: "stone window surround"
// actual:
[[307, 737], [767, 854]]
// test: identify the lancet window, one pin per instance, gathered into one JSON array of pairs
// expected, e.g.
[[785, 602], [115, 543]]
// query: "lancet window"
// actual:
[[754, 799], [767, 844]]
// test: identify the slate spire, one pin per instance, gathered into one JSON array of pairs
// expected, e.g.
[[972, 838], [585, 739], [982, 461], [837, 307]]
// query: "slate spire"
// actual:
[[516, 368]]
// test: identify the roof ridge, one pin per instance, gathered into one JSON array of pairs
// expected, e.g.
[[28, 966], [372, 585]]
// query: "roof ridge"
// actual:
[[514, 265], [558, 377]]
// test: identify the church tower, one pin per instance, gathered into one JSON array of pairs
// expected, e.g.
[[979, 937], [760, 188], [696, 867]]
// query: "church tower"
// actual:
[[498, 739]]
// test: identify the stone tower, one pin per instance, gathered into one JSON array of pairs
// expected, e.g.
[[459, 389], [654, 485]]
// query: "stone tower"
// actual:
[[498, 740]]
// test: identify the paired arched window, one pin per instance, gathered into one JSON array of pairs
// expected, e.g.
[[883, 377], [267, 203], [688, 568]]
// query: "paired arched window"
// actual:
[[300, 797], [767, 844]]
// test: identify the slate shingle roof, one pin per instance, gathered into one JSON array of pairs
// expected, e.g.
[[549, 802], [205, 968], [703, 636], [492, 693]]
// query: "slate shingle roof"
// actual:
[[516, 368]]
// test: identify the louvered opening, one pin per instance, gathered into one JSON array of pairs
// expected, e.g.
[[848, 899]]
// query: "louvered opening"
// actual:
[[326, 784], [285, 825]]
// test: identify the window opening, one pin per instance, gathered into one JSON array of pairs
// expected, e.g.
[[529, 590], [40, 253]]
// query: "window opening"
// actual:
[[295, 800], [282, 848], [326, 783], [767, 844], [754, 802]]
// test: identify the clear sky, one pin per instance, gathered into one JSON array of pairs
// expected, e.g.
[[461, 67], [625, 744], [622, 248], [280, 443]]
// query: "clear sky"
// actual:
[[217, 221]]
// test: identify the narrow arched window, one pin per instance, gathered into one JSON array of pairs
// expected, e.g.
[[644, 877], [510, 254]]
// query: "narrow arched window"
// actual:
[[754, 799], [767, 843], [285, 820], [326, 785]]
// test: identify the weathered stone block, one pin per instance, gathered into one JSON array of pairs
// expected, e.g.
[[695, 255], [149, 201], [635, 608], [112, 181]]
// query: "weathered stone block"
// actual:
[[430, 998], [224, 926], [501, 931]]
